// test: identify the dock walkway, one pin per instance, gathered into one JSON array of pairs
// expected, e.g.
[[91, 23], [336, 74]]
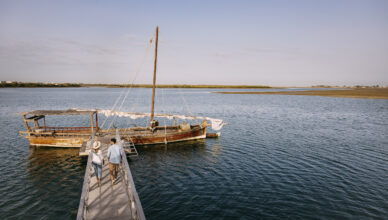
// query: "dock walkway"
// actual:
[[118, 201]]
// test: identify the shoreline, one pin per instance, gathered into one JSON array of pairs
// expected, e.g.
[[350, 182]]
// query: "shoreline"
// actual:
[[364, 93], [78, 85], [186, 86]]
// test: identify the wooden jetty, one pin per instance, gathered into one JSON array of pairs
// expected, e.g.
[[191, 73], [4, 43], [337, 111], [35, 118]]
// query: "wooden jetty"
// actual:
[[119, 201]]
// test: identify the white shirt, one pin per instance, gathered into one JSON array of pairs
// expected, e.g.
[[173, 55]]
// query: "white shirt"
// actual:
[[97, 157]]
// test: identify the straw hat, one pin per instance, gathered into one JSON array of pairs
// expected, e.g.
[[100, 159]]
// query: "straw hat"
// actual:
[[96, 145]]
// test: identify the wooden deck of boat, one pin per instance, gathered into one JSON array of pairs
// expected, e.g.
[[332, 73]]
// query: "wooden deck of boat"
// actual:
[[117, 201]]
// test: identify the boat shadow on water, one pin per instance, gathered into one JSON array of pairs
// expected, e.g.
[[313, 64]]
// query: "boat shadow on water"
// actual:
[[55, 158]]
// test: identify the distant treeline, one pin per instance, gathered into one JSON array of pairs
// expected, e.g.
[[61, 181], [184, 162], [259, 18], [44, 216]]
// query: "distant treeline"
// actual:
[[27, 84], [19, 84], [190, 86], [23, 84], [5, 84]]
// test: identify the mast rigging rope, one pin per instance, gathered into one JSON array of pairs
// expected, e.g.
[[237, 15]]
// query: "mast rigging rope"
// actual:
[[136, 72]]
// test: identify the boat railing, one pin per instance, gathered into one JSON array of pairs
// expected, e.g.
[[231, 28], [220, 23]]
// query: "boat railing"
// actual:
[[134, 201], [51, 133], [143, 131], [65, 129], [138, 129], [58, 131]]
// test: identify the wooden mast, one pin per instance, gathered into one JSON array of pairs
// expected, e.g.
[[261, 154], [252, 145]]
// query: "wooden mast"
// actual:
[[153, 88]]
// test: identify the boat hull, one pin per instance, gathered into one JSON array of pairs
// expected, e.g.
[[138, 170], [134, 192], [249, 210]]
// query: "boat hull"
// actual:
[[139, 136], [193, 134], [73, 142]]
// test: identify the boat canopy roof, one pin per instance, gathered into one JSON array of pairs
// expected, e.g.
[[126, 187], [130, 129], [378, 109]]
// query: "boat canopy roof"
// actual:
[[61, 112], [216, 124]]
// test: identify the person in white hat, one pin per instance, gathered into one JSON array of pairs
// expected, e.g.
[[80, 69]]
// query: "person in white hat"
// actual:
[[97, 161]]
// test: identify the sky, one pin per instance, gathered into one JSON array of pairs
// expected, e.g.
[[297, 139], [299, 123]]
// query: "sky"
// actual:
[[275, 43]]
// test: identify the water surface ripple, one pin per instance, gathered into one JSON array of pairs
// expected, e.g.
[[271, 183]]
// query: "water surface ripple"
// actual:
[[279, 157]]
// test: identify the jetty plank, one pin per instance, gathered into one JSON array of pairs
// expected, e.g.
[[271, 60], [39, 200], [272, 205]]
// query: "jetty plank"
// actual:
[[109, 201]]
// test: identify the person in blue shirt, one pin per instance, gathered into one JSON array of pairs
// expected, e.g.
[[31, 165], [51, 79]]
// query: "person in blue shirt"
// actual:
[[114, 157]]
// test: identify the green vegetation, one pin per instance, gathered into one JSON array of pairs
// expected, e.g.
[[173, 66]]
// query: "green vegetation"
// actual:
[[33, 85], [191, 86], [5, 84]]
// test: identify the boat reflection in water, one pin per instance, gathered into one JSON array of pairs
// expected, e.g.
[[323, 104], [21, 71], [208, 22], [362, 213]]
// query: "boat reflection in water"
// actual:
[[184, 149]]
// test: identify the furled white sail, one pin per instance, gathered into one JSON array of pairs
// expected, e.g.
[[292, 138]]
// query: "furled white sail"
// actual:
[[216, 124]]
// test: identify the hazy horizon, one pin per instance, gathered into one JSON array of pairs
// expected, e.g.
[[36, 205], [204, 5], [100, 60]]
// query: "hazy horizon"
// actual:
[[202, 84], [273, 43]]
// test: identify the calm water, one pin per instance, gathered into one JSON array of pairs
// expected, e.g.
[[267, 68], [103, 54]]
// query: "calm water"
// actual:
[[279, 157]]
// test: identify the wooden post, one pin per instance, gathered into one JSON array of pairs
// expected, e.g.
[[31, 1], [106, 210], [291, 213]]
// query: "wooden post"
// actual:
[[91, 121], [153, 88], [25, 123], [96, 120]]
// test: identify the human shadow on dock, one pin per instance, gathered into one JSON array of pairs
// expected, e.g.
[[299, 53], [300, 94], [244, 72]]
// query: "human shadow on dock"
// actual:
[[108, 195]]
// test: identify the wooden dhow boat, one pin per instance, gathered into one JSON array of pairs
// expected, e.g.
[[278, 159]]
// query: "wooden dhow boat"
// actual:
[[39, 134]]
